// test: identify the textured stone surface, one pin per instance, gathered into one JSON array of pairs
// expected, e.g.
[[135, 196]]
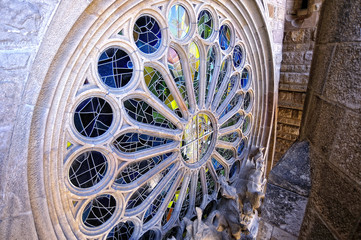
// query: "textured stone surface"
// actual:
[[264, 230], [313, 228], [340, 22], [345, 92], [279, 234], [18, 228], [336, 197], [292, 172], [283, 209]]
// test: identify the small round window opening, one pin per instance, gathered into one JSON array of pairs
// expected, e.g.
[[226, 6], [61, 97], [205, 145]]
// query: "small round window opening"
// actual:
[[184, 124]]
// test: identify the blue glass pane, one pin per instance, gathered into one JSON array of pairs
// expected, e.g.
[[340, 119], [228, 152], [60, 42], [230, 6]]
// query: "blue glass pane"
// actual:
[[147, 34], [241, 147], [115, 67], [224, 37], [244, 78]]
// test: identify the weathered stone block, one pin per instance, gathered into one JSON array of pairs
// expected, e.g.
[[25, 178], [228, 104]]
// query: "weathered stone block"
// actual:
[[335, 195], [20, 227], [264, 230], [346, 151], [292, 171], [279, 234], [343, 83], [340, 21], [313, 228], [283, 209]]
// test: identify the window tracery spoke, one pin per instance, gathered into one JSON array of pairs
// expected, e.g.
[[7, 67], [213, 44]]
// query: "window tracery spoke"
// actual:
[[229, 89], [194, 64], [143, 192], [139, 170], [157, 85], [133, 142], [142, 112], [235, 120], [222, 75], [176, 69], [235, 103], [199, 191]]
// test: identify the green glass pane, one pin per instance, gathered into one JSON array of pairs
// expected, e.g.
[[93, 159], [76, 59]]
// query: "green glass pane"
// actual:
[[205, 24], [157, 85]]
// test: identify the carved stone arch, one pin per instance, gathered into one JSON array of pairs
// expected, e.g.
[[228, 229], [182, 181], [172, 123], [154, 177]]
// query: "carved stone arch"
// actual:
[[72, 34]]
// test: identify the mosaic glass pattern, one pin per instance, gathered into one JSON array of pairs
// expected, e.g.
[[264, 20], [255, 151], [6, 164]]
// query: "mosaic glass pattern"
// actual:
[[232, 121], [185, 205], [137, 170], [99, 210], [121, 231], [143, 192], [115, 67], [247, 101], [234, 169], [88, 169], [194, 64], [197, 137], [244, 78], [224, 37], [147, 34], [232, 104], [199, 192], [241, 147], [175, 68], [237, 56], [142, 112], [93, 117], [227, 154], [178, 21], [133, 142], [222, 74], [230, 137], [229, 87], [211, 65], [157, 85], [205, 24], [159, 200], [246, 124], [149, 235], [211, 184], [219, 168]]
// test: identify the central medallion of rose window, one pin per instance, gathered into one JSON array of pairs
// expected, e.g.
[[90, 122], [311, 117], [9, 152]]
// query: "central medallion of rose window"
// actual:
[[197, 138]]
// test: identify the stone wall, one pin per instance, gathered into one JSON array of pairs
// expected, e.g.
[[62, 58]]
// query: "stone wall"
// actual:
[[332, 125], [298, 45], [22, 28]]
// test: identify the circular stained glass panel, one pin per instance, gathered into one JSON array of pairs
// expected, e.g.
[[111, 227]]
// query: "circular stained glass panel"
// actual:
[[205, 24], [178, 21], [99, 210], [197, 138], [88, 169], [93, 117], [115, 67], [147, 34], [245, 78], [224, 37], [121, 231]]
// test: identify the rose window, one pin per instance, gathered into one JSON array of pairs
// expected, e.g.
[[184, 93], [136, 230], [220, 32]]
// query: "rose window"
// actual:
[[165, 113]]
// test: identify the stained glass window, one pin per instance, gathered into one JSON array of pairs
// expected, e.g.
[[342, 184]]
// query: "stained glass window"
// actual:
[[115, 67], [147, 34], [205, 24], [154, 153], [93, 117], [178, 21]]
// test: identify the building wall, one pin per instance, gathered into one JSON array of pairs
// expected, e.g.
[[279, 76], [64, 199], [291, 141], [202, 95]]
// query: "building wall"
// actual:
[[298, 44]]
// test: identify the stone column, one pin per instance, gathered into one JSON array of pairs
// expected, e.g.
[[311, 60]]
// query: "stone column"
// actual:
[[332, 125]]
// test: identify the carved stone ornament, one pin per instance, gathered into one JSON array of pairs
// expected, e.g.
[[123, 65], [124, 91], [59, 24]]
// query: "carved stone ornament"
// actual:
[[237, 213]]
